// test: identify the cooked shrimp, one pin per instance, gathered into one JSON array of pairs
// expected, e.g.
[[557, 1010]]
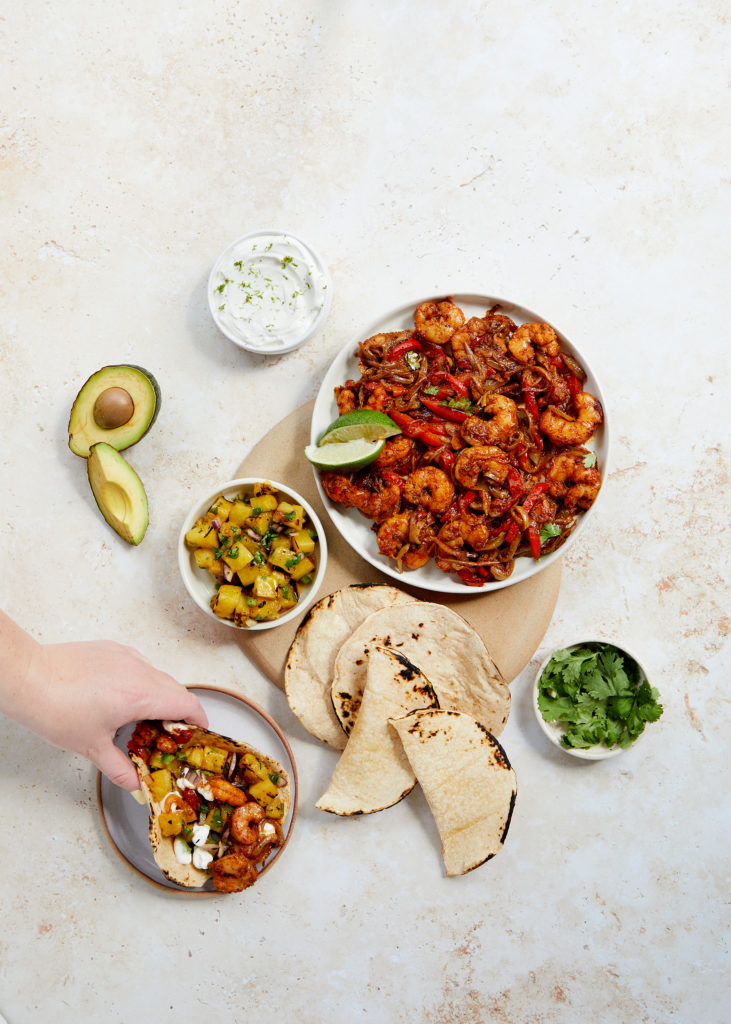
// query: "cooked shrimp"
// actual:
[[564, 429], [233, 873], [345, 399], [245, 820], [395, 451], [473, 337], [379, 398], [570, 479], [408, 538], [468, 529], [430, 488], [502, 424], [523, 343], [226, 793], [482, 460], [269, 835], [376, 504], [437, 321]]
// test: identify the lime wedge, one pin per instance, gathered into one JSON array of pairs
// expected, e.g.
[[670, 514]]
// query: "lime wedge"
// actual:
[[344, 454], [361, 424]]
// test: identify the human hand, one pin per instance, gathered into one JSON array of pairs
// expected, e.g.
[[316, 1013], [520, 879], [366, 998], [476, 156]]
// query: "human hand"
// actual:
[[82, 693]]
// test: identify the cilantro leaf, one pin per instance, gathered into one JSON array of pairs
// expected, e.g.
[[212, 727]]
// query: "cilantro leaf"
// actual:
[[596, 691]]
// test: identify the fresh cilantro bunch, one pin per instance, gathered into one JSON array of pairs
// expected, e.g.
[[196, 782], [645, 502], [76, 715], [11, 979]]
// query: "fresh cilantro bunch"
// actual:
[[596, 691]]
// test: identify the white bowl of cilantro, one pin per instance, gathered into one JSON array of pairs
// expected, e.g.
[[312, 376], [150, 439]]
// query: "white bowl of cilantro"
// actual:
[[593, 699]]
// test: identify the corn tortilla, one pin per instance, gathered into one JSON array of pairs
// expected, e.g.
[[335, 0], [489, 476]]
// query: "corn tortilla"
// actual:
[[467, 781], [446, 648], [308, 671], [373, 771]]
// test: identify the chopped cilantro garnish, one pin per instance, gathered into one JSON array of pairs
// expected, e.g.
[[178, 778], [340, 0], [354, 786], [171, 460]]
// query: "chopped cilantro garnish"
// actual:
[[431, 389], [250, 601], [549, 530], [590, 460], [596, 692]]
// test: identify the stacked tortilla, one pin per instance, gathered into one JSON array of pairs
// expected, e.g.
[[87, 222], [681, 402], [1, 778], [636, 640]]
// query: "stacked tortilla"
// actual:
[[408, 691]]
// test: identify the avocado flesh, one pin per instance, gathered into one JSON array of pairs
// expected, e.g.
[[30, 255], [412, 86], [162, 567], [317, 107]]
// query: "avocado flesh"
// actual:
[[119, 492], [144, 391]]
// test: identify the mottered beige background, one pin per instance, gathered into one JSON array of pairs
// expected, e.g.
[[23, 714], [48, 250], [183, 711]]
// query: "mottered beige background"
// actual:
[[571, 158]]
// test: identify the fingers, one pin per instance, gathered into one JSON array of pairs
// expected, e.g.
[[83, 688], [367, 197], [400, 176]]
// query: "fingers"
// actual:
[[182, 705], [117, 767]]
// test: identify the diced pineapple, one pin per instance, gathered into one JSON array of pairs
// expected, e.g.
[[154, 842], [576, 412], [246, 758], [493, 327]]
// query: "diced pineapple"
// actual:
[[263, 503], [220, 508], [265, 610], [275, 808], [282, 541], [265, 585], [263, 791], [304, 541], [170, 824], [302, 568], [161, 782], [248, 574], [290, 515], [214, 759], [240, 512], [224, 601], [288, 596], [205, 559], [280, 556], [237, 556], [193, 756], [252, 761], [261, 522], [229, 529], [202, 535]]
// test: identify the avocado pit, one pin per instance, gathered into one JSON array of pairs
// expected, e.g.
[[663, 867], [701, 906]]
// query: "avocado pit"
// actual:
[[113, 408]]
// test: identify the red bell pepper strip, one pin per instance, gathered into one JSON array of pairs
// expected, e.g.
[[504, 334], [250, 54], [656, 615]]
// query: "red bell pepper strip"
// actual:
[[513, 531], [461, 387], [531, 406], [445, 411], [471, 577], [446, 458], [418, 429], [400, 349], [533, 496], [394, 389], [534, 539], [515, 483]]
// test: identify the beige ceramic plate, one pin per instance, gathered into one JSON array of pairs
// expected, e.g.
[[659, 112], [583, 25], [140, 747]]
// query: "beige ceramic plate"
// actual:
[[126, 822]]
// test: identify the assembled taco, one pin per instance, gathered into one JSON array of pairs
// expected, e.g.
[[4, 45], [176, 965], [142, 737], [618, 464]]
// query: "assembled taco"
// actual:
[[217, 806]]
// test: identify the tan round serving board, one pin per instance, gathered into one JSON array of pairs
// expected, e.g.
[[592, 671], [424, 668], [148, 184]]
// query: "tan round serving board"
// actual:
[[511, 621]]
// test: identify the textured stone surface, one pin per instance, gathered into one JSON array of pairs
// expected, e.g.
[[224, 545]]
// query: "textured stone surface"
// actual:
[[574, 159]]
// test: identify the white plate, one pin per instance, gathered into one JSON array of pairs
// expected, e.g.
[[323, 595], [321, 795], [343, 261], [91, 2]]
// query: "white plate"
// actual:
[[356, 530], [126, 822]]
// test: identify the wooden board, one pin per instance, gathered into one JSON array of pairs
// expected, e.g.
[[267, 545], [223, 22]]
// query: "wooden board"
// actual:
[[511, 621]]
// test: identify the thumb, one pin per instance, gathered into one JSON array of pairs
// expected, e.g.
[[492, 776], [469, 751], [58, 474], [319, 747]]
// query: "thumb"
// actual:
[[117, 767]]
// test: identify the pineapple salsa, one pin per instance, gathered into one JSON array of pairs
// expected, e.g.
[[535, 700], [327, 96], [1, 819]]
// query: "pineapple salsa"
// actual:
[[261, 551]]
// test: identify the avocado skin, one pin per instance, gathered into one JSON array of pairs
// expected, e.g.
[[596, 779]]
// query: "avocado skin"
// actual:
[[145, 390], [155, 387], [111, 477]]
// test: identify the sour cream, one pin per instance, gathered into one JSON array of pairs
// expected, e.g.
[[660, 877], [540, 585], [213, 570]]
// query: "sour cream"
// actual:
[[269, 292]]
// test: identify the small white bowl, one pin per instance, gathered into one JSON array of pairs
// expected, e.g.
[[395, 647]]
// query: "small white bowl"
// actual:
[[555, 730], [201, 585], [269, 292]]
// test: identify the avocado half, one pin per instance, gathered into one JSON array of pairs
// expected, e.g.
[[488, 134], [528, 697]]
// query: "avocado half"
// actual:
[[119, 492], [117, 405]]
